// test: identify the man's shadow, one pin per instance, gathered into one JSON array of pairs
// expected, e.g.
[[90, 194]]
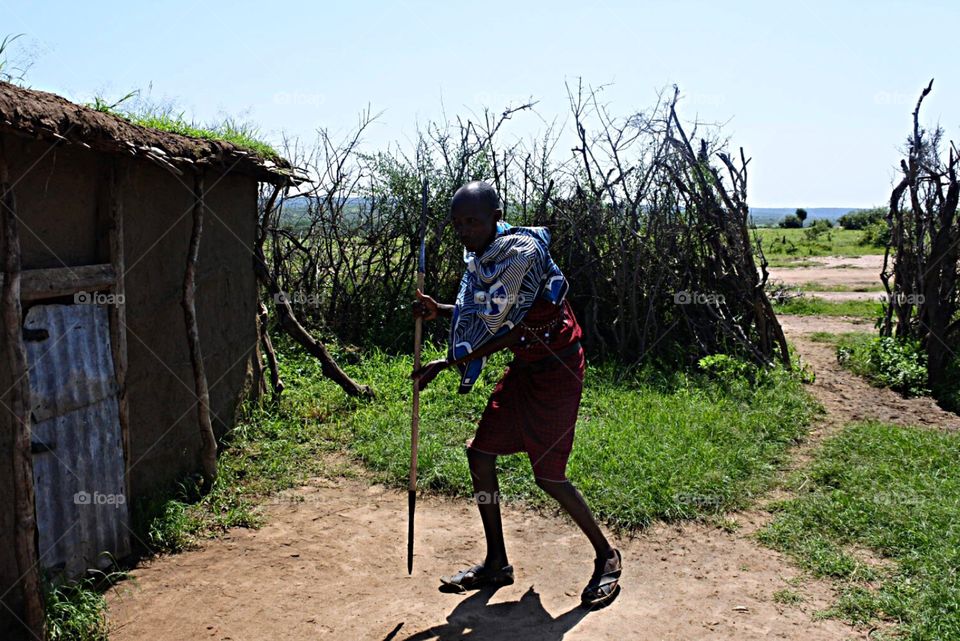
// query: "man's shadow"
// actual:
[[475, 620]]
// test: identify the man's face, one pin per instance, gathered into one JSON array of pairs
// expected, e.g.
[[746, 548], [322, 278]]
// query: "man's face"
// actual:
[[475, 224]]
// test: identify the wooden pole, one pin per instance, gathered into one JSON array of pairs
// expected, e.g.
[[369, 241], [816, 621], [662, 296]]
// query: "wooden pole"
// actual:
[[118, 312], [209, 442], [37, 284], [25, 519]]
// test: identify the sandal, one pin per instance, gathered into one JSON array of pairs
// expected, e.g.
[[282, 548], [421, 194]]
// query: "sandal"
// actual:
[[603, 586], [475, 578]]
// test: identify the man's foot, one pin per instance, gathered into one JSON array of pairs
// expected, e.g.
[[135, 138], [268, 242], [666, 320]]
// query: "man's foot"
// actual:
[[605, 582], [475, 578]]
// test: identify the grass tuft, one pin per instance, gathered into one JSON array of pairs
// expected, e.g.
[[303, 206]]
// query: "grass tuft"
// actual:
[[77, 610]]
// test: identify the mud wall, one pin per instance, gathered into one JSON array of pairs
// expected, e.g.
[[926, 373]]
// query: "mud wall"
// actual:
[[165, 437], [58, 191]]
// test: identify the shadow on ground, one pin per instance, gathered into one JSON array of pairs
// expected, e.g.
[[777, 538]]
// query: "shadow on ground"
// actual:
[[475, 619]]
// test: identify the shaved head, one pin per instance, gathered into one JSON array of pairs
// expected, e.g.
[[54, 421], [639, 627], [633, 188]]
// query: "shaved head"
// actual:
[[474, 212], [481, 195]]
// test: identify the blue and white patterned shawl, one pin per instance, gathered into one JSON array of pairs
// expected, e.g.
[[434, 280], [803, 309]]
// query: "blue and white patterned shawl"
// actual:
[[497, 290]]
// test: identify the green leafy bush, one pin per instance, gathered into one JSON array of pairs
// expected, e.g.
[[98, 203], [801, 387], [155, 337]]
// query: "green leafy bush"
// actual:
[[725, 367], [887, 362], [818, 235], [876, 234]]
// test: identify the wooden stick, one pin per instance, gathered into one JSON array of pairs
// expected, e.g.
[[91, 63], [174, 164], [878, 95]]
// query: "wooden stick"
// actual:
[[415, 420], [414, 433], [290, 324], [209, 443], [25, 519]]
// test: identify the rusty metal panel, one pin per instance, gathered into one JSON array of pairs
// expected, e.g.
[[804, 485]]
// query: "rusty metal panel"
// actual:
[[78, 460]]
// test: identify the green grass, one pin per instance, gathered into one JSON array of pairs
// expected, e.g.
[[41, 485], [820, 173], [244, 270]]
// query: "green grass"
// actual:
[[649, 447], [788, 597], [785, 244], [894, 491], [77, 611], [835, 339], [241, 134], [823, 287], [813, 306]]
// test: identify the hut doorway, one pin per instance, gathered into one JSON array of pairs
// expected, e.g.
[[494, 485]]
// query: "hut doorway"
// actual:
[[77, 443]]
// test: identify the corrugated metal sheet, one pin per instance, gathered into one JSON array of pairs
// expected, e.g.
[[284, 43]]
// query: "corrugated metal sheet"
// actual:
[[78, 461]]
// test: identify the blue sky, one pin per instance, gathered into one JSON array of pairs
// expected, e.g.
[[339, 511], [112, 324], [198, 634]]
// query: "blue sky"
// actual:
[[818, 93]]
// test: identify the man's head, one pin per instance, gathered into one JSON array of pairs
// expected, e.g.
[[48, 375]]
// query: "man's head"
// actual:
[[474, 212]]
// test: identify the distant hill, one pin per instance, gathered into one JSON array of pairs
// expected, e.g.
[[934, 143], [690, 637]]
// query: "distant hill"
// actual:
[[770, 216], [295, 208]]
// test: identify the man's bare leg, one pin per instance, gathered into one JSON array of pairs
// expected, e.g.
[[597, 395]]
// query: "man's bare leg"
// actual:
[[573, 503], [483, 469]]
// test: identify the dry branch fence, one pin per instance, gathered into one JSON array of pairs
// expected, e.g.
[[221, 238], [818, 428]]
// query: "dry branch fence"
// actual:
[[648, 215], [921, 259]]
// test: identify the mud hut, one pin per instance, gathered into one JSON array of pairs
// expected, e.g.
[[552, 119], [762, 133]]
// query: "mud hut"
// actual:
[[95, 352]]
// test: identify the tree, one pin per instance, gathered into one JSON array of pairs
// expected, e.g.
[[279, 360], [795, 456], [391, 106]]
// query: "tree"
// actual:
[[801, 214], [790, 222]]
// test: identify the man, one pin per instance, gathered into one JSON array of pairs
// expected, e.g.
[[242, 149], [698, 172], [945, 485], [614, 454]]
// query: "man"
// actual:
[[512, 295]]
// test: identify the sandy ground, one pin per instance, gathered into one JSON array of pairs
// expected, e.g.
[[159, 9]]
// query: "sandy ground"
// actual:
[[330, 562], [331, 565], [854, 273]]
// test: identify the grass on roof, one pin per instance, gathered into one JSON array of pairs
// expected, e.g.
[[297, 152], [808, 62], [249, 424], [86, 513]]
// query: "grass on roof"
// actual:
[[166, 118], [237, 133]]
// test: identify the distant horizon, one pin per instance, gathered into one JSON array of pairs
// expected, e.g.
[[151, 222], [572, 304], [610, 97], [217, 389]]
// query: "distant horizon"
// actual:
[[831, 213], [792, 208]]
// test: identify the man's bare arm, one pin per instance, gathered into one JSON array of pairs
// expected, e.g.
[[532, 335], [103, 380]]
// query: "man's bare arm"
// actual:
[[429, 371], [510, 338], [427, 308]]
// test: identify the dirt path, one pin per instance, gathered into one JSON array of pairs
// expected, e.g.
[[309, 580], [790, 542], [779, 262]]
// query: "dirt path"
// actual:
[[330, 563], [846, 396], [332, 566]]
